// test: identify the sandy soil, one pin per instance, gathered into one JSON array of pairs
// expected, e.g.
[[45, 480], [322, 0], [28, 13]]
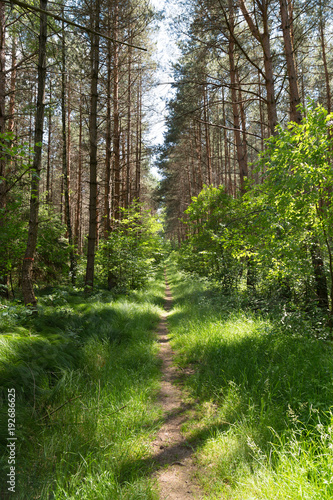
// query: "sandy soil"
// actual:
[[176, 469]]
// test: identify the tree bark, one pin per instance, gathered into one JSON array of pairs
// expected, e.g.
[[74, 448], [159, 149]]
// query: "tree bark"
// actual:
[[323, 48], [48, 165], [240, 149], [78, 220], [207, 137], [65, 159], [116, 124], [94, 66], [264, 40], [227, 166], [295, 114], [138, 141], [108, 152], [2, 100], [11, 121], [319, 275], [129, 125], [27, 284]]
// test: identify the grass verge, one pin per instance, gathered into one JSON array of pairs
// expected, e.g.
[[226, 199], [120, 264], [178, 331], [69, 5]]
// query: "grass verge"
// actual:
[[85, 374], [262, 390]]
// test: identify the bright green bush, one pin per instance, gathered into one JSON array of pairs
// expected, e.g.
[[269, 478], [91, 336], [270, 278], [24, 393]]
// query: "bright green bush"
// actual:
[[276, 239], [133, 251]]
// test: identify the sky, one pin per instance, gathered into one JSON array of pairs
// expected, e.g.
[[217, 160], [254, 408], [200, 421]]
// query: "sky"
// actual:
[[167, 53]]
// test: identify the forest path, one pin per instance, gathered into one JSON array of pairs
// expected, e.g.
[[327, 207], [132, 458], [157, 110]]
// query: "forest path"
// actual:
[[172, 453]]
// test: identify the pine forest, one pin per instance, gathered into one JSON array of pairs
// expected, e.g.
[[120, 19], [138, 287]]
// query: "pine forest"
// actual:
[[166, 249]]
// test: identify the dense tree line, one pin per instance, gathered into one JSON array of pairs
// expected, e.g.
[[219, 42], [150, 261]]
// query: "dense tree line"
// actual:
[[247, 157], [73, 79], [245, 67]]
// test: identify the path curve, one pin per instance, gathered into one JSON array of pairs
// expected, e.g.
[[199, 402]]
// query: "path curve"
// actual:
[[171, 452]]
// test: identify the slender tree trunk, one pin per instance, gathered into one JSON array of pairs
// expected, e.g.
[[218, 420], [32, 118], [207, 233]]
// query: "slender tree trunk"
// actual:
[[12, 98], [243, 121], [269, 84], [189, 180], [116, 124], [264, 40], [48, 164], [27, 285], [108, 141], [295, 114], [323, 48], [319, 275], [2, 101], [240, 149], [129, 125], [3, 270], [198, 147], [94, 66], [207, 137], [65, 158], [227, 173], [261, 114], [78, 220], [138, 144]]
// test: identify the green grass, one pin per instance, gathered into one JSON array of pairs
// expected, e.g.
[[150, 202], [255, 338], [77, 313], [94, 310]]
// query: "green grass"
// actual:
[[262, 395], [97, 358]]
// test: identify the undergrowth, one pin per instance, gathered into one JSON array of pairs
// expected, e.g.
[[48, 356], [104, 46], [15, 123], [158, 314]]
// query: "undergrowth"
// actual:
[[262, 394], [85, 374]]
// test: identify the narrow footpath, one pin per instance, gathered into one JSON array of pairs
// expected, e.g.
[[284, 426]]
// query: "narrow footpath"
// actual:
[[172, 454]]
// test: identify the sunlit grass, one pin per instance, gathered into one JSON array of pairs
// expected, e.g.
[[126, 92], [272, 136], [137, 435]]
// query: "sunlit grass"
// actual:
[[262, 393], [86, 376]]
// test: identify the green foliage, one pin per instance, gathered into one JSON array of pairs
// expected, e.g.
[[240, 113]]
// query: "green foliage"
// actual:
[[295, 200], [132, 252], [52, 251], [279, 234], [17, 158], [51, 259], [213, 248]]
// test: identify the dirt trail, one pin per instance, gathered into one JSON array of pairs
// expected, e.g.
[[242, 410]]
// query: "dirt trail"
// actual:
[[171, 452]]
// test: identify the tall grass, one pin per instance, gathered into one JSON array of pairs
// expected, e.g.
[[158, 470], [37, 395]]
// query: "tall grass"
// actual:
[[262, 389], [86, 374]]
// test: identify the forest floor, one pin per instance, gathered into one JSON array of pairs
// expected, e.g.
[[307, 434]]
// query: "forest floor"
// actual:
[[147, 396], [171, 451]]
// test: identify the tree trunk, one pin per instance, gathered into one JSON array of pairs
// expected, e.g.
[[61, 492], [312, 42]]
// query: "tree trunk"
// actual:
[[27, 285], [94, 66], [227, 166], [2, 100], [11, 121], [65, 160], [295, 114], [78, 221], [240, 150], [243, 121], [319, 275], [207, 137], [129, 125], [323, 48], [116, 124], [3, 270], [48, 165], [264, 40], [198, 148], [108, 152], [138, 144]]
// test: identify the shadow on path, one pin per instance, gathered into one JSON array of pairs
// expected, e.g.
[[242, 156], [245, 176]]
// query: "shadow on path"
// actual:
[[172, 460]]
